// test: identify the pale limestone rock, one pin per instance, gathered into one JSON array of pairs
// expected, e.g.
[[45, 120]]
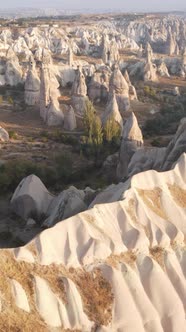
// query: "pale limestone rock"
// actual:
[[163, 70], [110, 51], [32, 85], [31, 199], [105, 50], [132, 140], [54, 115], [4, 136], [119, 85], [160, 159], [48, 87], [148, 51], [171, 44], [99, 86], [20, 296], [150, 70], [45, 93], [65, 205], [79, 87], [70, 57], [79, 92], [13, 70], [112, 111], [132, 89]]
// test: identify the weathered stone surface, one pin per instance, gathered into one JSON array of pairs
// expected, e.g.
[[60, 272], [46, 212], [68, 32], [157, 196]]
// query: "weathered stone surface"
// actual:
[[132, 140], [4, 136], [32, 85], [112, 111], [31, 199], [119, 86]]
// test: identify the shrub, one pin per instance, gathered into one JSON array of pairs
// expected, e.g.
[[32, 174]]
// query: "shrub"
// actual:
[[12, 134], [10, 100], [149, 91]]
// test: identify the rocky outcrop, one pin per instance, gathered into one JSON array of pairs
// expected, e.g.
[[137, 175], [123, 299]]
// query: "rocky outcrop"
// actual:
[[32, 85], [13, 70], [132, 140], [160, 159], [110, 51], [54, 115], [163, 70], [119, 86], [79, 87], [170, 44], [132, 89], [112, 111], [79, 92], [99, 86], [48, 87], [65, 205], [149, 70], [4, 136], [31, 199], [70, 57], [120, 253], [148, 51]]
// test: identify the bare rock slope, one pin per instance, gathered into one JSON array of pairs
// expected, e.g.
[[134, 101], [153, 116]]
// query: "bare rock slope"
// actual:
[[119, 266]]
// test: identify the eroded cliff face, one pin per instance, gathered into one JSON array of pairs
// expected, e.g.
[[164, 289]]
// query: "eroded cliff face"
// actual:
[[68, 276]]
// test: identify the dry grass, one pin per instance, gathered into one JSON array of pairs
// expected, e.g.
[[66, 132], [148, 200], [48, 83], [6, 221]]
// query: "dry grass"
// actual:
[[178, 194], [152, 199], [128, 257], [131, 210], [95, 291], [157, 254]]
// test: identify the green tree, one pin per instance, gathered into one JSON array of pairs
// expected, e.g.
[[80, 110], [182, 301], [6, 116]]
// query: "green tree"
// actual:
[[93, 130], [112, 131]]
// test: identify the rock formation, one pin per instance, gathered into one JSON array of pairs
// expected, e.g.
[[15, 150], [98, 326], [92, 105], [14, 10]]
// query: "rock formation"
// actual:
[[70, 57], [32, 85], [13, 70], [31, 199], [119, 86], [48, 88], [160, 159], [54, 115], [99, 86], [105, 50], [163, 70], [112, 111], [117, 251], [170, 44], [79, 92], [4, 136], [132, 140], [132, 89], [148, 51], [149, 71], [65, 205], [110, 51]]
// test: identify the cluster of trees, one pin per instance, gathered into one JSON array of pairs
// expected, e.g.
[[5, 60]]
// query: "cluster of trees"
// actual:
[[99, 140]]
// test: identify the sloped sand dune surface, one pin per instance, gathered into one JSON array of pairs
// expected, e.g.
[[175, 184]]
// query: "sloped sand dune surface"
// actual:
[[119, 266]]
